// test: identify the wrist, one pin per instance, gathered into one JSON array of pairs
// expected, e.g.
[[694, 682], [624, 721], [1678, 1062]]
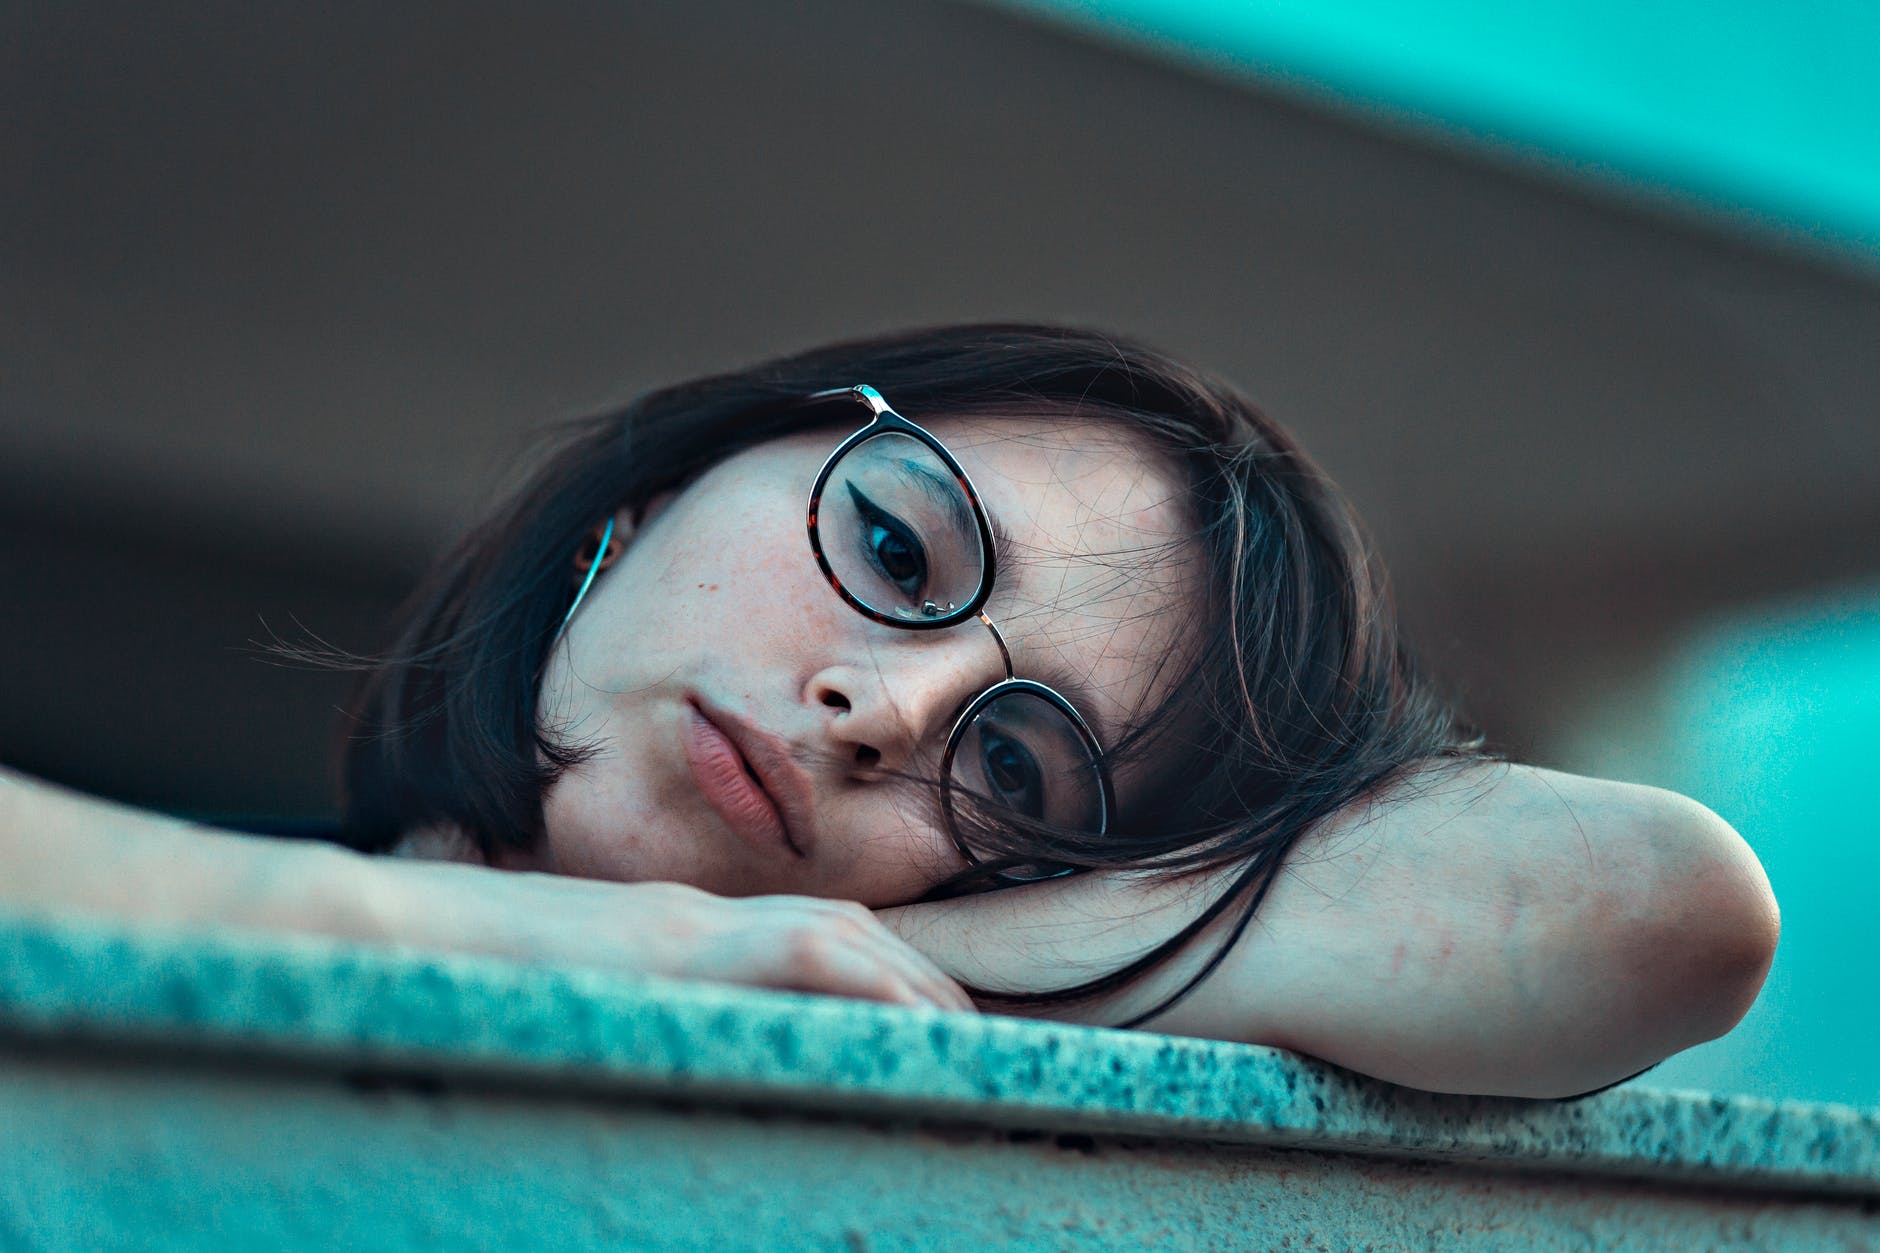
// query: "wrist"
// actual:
[[413, 903], [256, 883]]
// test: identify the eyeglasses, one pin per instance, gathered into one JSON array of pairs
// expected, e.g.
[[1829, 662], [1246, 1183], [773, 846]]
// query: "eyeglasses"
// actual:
[[901, 535]]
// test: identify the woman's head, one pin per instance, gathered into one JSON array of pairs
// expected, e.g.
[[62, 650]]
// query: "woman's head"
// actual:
[[717, 624], [1179, 564]]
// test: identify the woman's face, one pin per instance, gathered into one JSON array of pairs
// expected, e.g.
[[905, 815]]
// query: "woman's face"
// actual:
[[744, 714]]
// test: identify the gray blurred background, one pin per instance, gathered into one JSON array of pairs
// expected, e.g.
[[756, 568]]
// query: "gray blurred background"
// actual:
[[285, 290]]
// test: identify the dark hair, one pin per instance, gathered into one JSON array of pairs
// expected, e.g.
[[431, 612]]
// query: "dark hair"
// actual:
[[1307, 696]]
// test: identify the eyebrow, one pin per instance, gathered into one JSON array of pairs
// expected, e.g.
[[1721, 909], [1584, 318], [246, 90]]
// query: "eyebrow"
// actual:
[[944, 489]]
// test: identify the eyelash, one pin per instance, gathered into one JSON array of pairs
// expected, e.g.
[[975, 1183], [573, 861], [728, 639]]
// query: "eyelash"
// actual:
[[875, 517]]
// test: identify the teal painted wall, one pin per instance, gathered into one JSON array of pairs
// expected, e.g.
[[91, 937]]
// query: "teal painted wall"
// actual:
[[1775, 723], [1765, 113]]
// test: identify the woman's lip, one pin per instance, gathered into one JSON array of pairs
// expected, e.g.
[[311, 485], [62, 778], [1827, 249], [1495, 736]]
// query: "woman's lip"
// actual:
[[723, 772]]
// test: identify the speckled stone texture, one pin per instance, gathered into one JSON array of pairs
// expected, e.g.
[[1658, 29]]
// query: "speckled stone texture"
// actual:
[[71, 984], [176, 1157]]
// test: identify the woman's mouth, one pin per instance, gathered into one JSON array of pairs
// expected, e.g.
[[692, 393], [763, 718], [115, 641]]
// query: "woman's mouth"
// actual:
[[731, 786]]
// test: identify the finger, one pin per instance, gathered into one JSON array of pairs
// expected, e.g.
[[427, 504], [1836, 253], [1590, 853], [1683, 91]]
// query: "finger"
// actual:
[[835, 955], [920, 990], [915, 966], [849, 922], [856, 973], [941, 989], [919, 970]]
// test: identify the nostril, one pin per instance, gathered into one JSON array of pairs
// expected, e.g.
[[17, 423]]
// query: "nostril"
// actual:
[[835, 700]]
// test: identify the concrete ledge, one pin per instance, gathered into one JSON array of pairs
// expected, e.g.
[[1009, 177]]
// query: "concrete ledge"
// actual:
[[110, 1040], [462, 1017]]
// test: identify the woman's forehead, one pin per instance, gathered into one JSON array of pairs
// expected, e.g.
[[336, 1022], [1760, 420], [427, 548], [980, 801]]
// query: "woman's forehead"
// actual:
[[1105, 572], [1072, 490]]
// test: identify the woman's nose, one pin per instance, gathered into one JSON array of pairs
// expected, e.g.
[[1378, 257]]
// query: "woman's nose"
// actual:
[[882, 709]]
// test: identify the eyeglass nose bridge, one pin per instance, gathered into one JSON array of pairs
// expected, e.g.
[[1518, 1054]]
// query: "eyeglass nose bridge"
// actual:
[[998, 640], [1005, 654]]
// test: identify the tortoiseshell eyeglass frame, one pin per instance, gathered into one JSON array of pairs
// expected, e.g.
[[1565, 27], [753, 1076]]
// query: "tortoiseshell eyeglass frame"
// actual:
[[883, 421]]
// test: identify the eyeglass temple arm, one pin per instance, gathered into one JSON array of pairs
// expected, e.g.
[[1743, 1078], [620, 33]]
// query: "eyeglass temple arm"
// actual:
[[860, 392], [594, 568]]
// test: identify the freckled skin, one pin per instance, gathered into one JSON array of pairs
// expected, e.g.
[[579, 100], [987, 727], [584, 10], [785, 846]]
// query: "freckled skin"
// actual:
[[719, 595]]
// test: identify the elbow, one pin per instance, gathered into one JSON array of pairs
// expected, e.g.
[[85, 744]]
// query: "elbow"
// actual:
[[1707, 934], [1669, 951]]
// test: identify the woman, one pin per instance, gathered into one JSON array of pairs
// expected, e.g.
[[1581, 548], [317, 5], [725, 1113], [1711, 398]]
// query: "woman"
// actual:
[[1078, 689]]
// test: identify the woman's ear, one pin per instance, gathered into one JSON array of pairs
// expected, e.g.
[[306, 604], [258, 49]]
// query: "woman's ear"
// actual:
[[627, 522], [602, 546]]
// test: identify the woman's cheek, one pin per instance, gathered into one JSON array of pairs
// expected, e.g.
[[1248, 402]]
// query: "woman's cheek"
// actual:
[[590, 830]]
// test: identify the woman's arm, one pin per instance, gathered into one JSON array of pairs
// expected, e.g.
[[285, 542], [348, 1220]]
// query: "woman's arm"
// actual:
[[65, 853], [1479, 928], [61, 851]]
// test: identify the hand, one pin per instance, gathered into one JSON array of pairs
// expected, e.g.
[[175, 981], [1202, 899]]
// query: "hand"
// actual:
[[799, 943], [804, 943]]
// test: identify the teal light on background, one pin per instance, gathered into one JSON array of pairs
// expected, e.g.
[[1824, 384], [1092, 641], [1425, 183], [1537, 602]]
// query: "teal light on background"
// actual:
[[1775, 724], [1766, 113]]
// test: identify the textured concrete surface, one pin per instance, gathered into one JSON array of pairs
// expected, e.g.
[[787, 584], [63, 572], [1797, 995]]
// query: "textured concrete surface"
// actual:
[[465, 1020], [184, 1157]]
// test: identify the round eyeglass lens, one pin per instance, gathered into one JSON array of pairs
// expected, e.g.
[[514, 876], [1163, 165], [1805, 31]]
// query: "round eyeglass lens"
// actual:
[[899, 531], [1020, 751]]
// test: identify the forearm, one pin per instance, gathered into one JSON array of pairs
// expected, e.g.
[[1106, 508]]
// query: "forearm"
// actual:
[[63, 852], [1492, 929], [1518, 931], [1064, 932]]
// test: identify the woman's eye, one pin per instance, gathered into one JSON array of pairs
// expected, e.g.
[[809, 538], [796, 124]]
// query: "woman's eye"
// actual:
[[1012, 774], [890, 545]]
